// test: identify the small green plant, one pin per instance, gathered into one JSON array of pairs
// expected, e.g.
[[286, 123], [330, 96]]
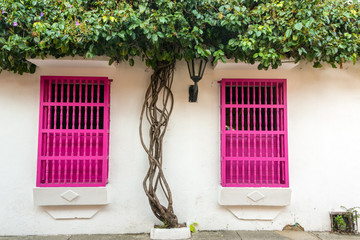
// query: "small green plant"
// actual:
[[339, 223], [193, 227], [345, 221]]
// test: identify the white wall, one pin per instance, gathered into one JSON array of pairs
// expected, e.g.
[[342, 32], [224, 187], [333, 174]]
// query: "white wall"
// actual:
[[324, 152]]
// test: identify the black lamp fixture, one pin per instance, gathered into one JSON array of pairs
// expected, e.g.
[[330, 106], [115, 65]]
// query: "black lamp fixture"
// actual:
[[196, 70]]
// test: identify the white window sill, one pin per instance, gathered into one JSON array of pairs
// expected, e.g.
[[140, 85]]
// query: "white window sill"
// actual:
[[71, 202], [262, 204], [70, 196], [254, 196]]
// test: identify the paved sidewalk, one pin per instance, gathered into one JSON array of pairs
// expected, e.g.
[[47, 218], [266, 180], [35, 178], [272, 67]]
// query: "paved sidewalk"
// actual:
[[204, 235]]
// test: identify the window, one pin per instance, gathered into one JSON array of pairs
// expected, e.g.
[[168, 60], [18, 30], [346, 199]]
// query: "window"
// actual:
[[73, 131], [254, 133]]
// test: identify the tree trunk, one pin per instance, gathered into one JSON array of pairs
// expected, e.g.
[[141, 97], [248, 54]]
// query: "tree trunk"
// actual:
[[157, 109]]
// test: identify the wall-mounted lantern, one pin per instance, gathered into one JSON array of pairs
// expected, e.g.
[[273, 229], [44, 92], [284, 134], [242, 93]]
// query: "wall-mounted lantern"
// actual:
[[196, 70]]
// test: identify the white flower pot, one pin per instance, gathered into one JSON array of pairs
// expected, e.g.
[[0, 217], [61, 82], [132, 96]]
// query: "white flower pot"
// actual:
[[170, 233]]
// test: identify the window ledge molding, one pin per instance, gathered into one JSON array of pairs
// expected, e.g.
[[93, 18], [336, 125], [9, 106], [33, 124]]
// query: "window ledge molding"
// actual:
[[261, 204], [70, 202], [71, 62], [286, 64], [276, 197], [70, 196]]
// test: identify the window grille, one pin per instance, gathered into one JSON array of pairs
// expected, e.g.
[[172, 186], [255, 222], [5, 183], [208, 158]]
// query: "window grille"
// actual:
[[73, 131], [254, 133]]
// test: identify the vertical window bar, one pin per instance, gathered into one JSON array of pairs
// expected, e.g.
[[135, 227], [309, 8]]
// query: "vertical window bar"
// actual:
[[54, 144], [84, 161], [68, 105], [260, 137], [279, 172], [47, 171], [266, 169], [78, 153], [90, 170], [61, 107], [242, 109], [231, 154], [86, 99], [55, 106], [80, 105], [273, 171], [53, 171], [59, 171], [78, 170], [254, 125], [223, 126], [48, 138], [271, 106], [106, 171], [91, 121], [72, 171], [65, 171], [79, 127], [282, 118], [73, 121], [97, 127], [236, 122], [248, 107], [231, 125], [260, 120], [231, 107], [254, 103], [92, 107], [278, 122], [49, 105], [97, 108], [265, 112], [61, 103], [243, 162]]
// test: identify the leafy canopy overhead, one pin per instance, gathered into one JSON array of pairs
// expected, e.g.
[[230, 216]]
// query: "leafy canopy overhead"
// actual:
[[164, 30]]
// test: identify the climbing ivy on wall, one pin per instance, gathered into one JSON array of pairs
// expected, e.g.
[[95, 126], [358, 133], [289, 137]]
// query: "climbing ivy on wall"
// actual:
[[161, 30]]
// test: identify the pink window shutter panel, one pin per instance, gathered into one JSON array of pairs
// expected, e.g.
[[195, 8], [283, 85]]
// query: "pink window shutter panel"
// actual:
[[73, 131], [254, 133]]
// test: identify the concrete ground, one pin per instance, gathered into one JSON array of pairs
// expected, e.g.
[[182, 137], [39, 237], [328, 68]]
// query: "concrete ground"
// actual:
[[204, 235]]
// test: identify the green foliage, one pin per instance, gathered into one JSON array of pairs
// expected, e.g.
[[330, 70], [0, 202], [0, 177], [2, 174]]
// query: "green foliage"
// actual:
[[346, 221], [193, 227], [339, 223], [163, 30]]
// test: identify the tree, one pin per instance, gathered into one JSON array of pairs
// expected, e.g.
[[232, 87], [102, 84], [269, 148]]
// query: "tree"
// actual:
[[163, 31]]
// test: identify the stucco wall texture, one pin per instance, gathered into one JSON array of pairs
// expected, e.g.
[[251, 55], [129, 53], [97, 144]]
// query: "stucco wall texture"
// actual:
[[323, 140]]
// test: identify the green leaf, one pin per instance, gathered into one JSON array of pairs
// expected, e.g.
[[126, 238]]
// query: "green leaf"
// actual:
[[317, 65], [207, 52], [131, 62], [32, 68], [298, 26], [142, 8], [154, 38], [288, 33], [231, 42]]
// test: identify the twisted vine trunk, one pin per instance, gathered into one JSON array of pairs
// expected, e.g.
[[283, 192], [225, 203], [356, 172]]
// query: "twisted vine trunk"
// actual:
[[156, 111]]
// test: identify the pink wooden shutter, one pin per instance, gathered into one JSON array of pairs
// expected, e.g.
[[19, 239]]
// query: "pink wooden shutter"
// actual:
[[254, 133], [73, 131]]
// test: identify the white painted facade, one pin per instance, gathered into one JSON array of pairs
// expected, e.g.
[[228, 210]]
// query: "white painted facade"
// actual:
[[324, 152]]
